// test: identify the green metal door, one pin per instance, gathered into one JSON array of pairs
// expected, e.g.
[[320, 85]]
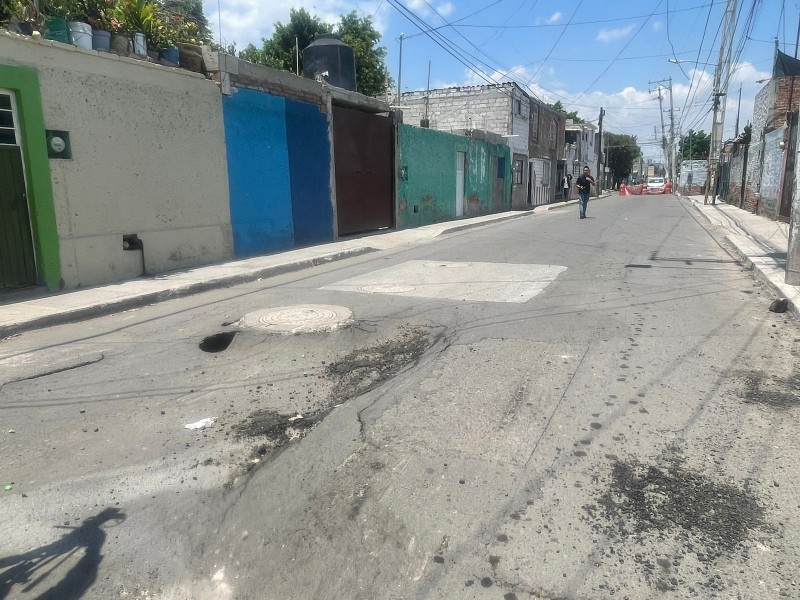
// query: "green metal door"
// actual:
[[17, 261]]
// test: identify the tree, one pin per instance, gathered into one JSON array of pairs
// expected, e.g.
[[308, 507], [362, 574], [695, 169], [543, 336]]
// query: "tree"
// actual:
[[621, 151], [372, 76], [569, 115], [371, 73], [191, 10], [279, 51], [695, 145]]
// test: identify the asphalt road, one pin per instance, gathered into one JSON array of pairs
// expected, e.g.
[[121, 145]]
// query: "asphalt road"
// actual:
[[546, 408]]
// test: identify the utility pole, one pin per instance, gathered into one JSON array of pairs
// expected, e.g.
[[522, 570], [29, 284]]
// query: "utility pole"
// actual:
[[672, 155], [400, 71], [600, 166], [427, 96], [793, 253], [669, 148], [738, 110], [663, 135], [721, 77]]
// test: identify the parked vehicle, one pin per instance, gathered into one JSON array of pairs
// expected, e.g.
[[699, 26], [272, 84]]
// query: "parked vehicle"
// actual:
[[655, 185]]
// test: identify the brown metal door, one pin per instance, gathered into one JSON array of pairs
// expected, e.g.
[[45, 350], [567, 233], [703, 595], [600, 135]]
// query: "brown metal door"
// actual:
[[17, 264], [363, 159]]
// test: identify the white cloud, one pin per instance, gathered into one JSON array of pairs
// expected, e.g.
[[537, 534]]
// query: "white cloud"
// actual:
[[247, 21], [610, 35], [554, 18], [446, 9], [658, 25]]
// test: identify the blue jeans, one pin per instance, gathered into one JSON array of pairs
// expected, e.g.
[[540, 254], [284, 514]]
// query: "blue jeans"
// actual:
[[583, 201]]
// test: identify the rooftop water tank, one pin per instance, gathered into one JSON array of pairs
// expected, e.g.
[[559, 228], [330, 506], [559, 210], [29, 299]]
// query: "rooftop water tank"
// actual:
[[329, 59]]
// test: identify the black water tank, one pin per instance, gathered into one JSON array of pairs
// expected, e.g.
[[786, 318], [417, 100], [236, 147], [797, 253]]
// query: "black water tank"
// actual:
[[329, 54]]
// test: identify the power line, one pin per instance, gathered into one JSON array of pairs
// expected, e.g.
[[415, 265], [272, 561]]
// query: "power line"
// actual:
[[628, 43]]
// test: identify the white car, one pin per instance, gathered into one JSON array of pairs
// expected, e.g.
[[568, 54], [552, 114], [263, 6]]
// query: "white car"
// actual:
[[655, 185]]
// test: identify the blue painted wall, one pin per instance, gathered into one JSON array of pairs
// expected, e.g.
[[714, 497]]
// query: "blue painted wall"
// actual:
[[309, 166], [258, 172]]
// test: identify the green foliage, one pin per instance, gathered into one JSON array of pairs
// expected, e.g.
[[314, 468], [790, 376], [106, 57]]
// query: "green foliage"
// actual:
[[621, 151], [569, 115], [278, 52], [100, 14], [699, 147], [191, 12], [371, 72], [137, 16]]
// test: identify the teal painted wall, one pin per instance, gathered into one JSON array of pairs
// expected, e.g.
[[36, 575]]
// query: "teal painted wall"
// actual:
[[427, 186]]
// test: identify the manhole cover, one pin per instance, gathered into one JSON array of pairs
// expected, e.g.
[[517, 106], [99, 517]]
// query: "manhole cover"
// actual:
[[304, 318], [387, 288]]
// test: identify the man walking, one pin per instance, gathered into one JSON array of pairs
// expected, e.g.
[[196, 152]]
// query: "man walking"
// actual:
[[584, 184], [566, 184]]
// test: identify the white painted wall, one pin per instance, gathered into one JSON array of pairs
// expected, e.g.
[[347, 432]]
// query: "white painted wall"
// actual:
[[148, 149]]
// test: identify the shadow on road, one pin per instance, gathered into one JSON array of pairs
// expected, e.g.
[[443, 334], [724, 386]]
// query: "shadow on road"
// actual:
[[34, 570]]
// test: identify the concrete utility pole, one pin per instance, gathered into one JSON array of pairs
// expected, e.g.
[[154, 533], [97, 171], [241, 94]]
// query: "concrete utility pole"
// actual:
[[738, 110], [400, 70], [663, 133], [600, 166], [721, 77], [793, 254], [673, 172]]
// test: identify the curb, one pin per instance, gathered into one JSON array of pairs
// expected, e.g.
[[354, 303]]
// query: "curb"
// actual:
[[123, 304], [455, 228], [758, 273]]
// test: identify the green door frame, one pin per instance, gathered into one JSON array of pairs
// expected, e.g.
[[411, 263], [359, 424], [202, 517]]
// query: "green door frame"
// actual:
[[24, 82]]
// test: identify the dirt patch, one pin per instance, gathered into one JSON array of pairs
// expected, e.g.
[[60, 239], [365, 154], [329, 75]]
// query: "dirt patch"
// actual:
[[649, 509], [365, 369], [646, 498], [273, 431], [775, 392]]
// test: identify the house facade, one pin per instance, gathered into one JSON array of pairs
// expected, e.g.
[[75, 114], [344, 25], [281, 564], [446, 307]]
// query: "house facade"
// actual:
[[546, 149], [579, 148], [502, 109]]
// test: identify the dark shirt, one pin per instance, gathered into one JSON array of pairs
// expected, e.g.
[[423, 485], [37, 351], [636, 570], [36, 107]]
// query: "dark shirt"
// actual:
[[583, 184]]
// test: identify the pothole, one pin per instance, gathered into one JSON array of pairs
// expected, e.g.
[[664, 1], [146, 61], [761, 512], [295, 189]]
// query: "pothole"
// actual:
[[304, 318], [217, 342]]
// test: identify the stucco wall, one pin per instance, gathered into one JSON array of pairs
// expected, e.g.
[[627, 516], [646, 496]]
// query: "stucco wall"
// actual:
[[428, 193], [260, 182], [148, 157], [771, 173]]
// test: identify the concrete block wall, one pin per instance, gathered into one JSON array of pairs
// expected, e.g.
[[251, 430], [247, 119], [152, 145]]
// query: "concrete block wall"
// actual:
[[148, 158], [475, 107]]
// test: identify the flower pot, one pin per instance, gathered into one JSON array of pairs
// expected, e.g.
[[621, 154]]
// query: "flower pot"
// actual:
[[55, 28], [171, 54], [25, 27], [120, 43], [191, 57], [101, 40], [80, 34], [139, 44]]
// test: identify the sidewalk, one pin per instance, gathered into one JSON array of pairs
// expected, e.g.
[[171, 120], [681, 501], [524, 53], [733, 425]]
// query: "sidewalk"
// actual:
[[34, 309], [762, 243]]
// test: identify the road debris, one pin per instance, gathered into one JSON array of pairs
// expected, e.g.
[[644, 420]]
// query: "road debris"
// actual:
[[201, 424]]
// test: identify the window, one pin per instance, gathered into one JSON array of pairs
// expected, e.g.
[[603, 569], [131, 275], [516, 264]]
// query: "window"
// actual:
[[501, 167], [552, 133], [517, 106], [535, 122], [8, 132], [518, 172]]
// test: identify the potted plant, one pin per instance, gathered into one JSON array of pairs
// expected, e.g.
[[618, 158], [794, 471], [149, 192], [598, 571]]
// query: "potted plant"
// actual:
[[100, 15], [21, 16], [138, 16], [55, 19], [80, 32]]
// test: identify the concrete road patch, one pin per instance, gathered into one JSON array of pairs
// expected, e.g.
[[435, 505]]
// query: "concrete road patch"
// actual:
[[469, 281]]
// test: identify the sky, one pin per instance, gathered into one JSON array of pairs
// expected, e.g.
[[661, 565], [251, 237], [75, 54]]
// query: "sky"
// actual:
[[587, 54]]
